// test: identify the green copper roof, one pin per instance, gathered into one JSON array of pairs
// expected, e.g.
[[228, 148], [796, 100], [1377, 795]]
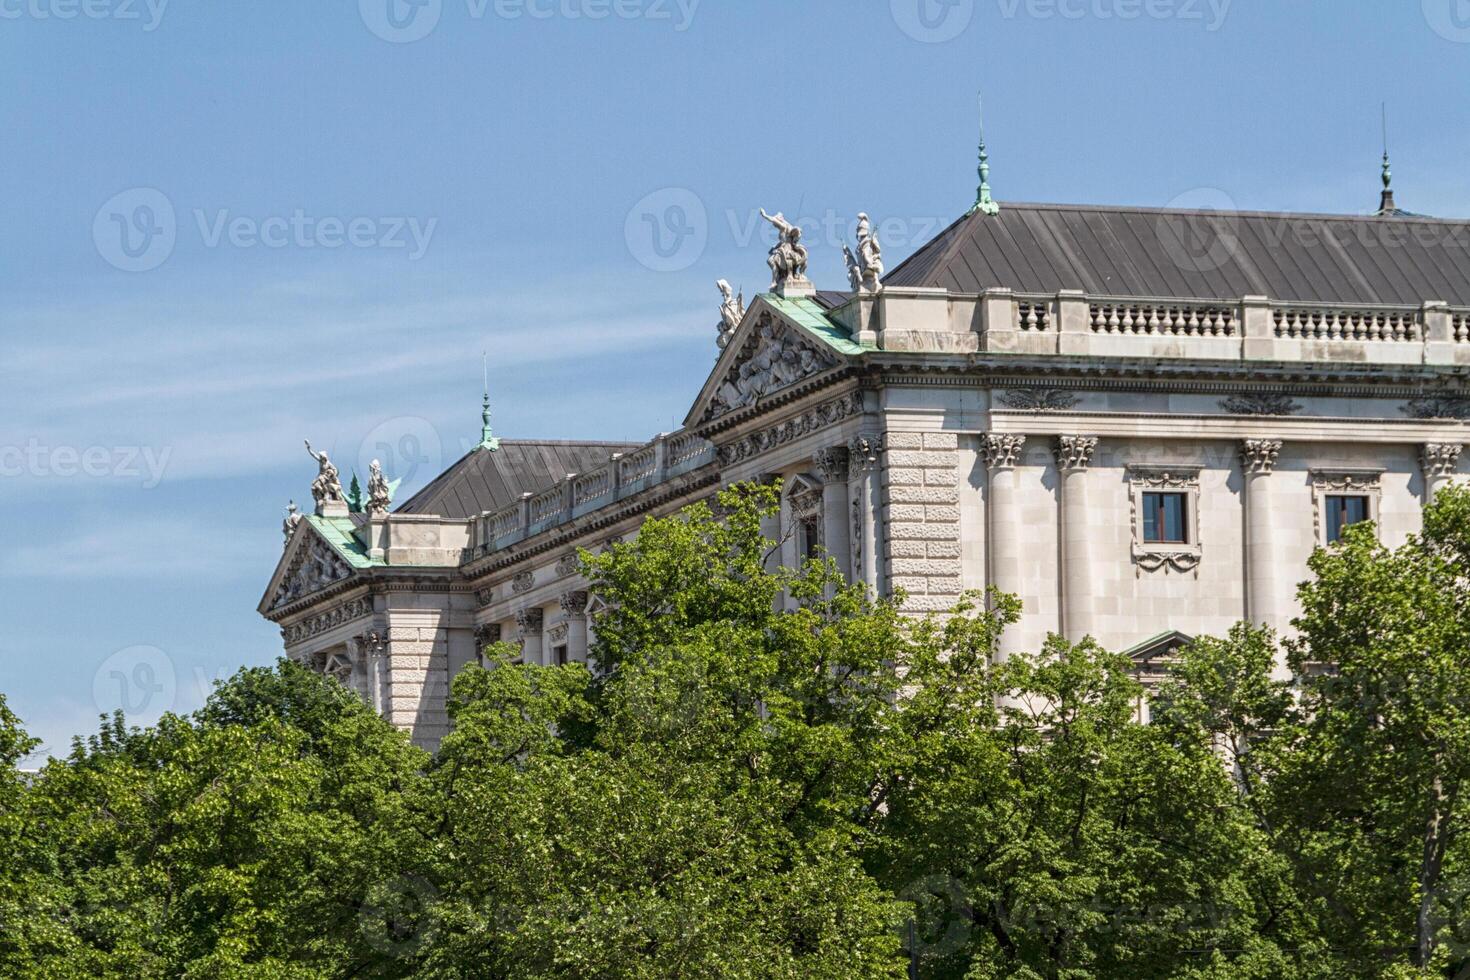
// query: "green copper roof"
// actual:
[[808, 314], [338, 533]]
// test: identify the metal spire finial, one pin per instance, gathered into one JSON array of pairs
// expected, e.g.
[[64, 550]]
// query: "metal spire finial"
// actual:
[[984, 203], [1385, 200], [488, 440]]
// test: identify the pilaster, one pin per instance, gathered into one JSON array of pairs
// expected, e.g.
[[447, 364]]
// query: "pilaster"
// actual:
[[1002, 451], [1073, 454], [832, 467], [1439, 461], [1258, 460]]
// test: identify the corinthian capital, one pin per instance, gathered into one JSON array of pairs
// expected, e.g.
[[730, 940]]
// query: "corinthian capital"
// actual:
[[574, 603], [863, 451], [1001, 450], [1075, 452], [1439, 458], [831, 464], [528, 621], [1259, 455]]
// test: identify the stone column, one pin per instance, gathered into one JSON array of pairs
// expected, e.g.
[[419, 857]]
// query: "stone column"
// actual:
[[1006, 534], [863, 466], [574, 607], [1257, 460], [832, 467], [1073, 453], [528, 623], [1439, 460]]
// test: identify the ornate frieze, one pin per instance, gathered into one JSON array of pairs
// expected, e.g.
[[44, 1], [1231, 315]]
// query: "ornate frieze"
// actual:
[[812, 420], [831, 464], [1038, 399], [1258, 456], [1179, 561], [1260, 403], [522, 583], [315, 566], [773, 358], [332, 618], [1074, 452], [1439, 459], [1346, 481], [1437, 407], [1002, 449]]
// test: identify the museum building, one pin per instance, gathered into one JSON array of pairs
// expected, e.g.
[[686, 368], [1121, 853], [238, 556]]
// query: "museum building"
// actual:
[[1139, 421]]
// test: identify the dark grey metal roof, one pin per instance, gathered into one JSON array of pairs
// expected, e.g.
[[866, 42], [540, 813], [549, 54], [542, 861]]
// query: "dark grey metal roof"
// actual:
[[1127, 251], [483, 481]]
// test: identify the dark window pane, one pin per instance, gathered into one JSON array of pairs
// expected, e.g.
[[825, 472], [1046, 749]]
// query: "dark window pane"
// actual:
[[1164, 518], [1342, 511]]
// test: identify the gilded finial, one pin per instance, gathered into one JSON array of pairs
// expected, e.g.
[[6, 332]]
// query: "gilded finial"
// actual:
[[984, 203]]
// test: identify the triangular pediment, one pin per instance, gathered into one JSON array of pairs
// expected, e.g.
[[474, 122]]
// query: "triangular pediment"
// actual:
[[309, 564], [1157, 652], [779, 344]]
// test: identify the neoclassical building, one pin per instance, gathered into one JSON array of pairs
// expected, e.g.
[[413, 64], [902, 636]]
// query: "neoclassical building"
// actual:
[[1139, 421]]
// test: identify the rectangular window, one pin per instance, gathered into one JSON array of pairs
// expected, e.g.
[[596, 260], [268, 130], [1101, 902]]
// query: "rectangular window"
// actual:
[[1342, 511], [559, 654], [1163, 518]]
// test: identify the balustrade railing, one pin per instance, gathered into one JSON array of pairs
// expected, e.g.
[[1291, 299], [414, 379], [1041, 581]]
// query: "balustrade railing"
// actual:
[[667, 456], [1161, 319], [1334, 324]]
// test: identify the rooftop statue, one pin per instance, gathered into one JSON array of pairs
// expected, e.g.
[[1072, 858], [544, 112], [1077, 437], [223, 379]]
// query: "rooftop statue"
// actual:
[[870, 255], [328, 483], [732, 311], [379, 493], [854, 270], [293, 517], [787, 257]]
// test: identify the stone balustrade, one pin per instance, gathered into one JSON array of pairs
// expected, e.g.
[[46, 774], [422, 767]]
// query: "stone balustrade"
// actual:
[[623, 475]]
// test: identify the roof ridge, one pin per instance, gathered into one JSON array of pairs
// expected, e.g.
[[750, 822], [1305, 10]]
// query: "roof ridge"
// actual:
[[1150, 209]]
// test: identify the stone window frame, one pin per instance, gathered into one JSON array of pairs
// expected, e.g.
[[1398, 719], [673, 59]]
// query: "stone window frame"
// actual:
[[1345, 481], [804, 509], [1154, 556]]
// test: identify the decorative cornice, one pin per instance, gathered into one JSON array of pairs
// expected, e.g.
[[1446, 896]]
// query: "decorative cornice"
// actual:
[[1074, 452], [1439, 459], [812, 420], [330, 619], [1002, 449], [1258, 456], [1165, 477]]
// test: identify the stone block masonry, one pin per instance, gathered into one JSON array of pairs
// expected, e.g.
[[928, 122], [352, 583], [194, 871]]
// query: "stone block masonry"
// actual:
[[921, 512]]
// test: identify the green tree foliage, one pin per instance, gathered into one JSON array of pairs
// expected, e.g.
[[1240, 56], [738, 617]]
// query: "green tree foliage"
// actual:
[[776, 775]]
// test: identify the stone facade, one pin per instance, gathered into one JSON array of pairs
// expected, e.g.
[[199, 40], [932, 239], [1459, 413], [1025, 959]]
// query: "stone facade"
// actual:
[[936, 442]]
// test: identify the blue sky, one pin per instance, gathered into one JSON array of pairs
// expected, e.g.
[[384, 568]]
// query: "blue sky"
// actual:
[[230, 227]]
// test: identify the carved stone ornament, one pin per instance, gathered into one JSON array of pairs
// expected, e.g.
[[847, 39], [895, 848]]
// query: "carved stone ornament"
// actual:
[[485, 596], [1438, 407], [293, 518], [863, 451], [1075, 452], [804, 497], [831, 464], [773, 358], [486, 634], [1179, 561], [1345, 481], [568, 564], [1002, 449], [1038, 399], [573, 603], [528, 621], [813, 420], [557, 635], [1260, 403], [338, 667], [332, 618], [1165, 477], [523, 582], [869, 256], [854, 270], [1439, 459], [315, 566], [1258, 456]]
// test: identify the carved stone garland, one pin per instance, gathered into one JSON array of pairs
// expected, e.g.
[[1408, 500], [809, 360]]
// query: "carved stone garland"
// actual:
[[1260, 403]]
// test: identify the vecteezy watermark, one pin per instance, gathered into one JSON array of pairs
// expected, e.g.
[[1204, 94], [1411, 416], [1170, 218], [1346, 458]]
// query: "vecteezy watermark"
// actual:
[[137, 230], [932, 21], [93, 462], [1450, 19], [406, 21], [407, 447], [149, 12], [134, 680], [1210, 13], [667, 230], [397, 917]]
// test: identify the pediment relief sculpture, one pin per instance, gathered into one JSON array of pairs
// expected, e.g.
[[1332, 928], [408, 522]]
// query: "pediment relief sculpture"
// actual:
[[773, 358], [315, 566]]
